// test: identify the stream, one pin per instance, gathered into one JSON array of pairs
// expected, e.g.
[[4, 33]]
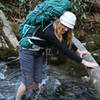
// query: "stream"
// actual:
[[60, 83]]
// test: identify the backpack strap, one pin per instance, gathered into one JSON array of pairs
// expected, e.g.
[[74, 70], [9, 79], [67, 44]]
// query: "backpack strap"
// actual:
[[47, 26], [36, 30]]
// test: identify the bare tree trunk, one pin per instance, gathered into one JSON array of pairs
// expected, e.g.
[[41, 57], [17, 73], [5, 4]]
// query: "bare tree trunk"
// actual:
[[93, 73]]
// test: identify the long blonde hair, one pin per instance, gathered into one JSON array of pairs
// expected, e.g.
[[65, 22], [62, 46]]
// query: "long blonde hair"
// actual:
[[58, 29]]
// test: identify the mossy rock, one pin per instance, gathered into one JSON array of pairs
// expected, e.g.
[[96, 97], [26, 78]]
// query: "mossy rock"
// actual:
[[92, 42], [90, 46], [93, 37], [5, 53], [15, 28]]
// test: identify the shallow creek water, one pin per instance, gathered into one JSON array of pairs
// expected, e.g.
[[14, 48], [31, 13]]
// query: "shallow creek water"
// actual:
[[60, 83]]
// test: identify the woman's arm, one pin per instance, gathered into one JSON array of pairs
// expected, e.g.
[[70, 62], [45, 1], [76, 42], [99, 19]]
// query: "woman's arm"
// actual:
[[51, 38], [74, 47]]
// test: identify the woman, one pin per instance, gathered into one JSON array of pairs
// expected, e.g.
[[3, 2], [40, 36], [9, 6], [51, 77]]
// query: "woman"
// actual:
[[31, 59]]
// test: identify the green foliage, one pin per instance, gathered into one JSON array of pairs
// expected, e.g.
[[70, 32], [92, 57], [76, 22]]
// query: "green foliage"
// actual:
[[22, 7], [18, 8], [9, 7], [79, 7], [1, 5], [22, 1]]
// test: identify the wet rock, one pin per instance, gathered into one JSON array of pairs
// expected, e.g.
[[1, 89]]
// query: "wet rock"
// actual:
[[96, 55], [8, 33], [15, 27], [92, 42]]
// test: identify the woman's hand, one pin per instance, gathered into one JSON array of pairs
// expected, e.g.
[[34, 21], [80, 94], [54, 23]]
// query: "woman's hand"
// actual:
[[81, 53], [89, 64], [84, 62]]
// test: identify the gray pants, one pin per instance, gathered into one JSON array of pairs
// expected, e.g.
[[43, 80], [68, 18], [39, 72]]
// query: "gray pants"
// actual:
[[31, 64]]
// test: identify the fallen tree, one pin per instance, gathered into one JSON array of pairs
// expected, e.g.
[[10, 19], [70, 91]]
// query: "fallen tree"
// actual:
[[93, 73]]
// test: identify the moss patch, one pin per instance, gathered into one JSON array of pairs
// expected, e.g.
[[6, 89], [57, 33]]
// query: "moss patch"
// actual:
[[15, 27], [92, 42], [94, 37], [5, 53]]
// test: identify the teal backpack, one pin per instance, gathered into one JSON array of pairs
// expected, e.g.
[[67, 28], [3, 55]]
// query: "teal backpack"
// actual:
[[48, 10]]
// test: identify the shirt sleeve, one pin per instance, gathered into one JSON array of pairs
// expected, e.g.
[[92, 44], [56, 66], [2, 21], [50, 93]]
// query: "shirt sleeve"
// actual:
[[74, 47], [51, 38]]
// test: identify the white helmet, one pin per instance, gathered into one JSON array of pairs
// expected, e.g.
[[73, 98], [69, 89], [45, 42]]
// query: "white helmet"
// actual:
[[68, 19]]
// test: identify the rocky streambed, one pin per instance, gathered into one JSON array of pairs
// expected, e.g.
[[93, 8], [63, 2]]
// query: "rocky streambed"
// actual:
[[63, 82]]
